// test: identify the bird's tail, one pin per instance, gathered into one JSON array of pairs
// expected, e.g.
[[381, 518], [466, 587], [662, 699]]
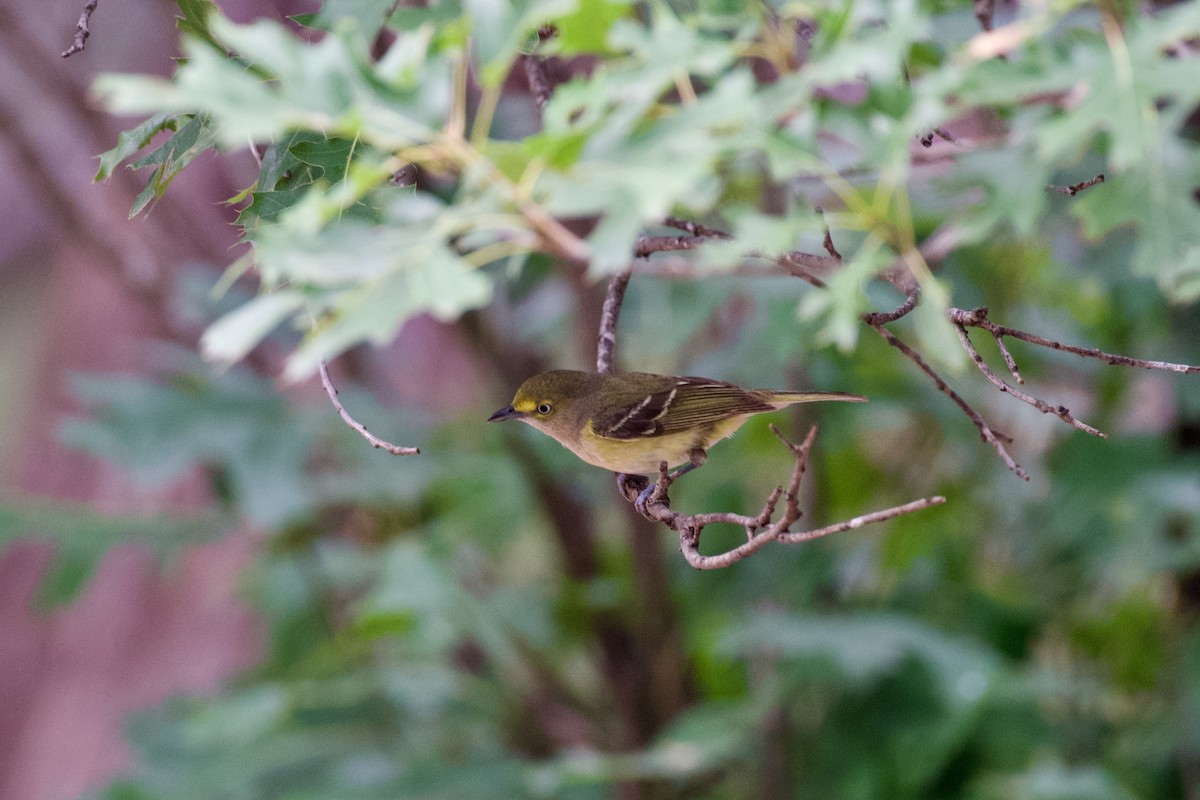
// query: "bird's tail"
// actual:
[[781, 399]]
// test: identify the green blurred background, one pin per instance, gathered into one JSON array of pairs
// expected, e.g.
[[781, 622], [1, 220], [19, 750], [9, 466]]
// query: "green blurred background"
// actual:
[[210, 587]]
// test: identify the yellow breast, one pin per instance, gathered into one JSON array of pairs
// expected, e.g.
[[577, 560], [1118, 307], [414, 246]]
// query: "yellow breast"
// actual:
[[642, 456]]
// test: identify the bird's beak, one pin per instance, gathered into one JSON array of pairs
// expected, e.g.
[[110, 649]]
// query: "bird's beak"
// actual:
[[508, 412]]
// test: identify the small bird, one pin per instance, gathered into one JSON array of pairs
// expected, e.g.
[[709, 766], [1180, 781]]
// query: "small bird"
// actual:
[[630, 422]]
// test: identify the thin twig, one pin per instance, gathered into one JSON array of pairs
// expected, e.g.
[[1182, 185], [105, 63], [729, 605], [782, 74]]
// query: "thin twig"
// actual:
[[877, 318], [658, 244], [695, 228], [805, 266], [1075, 188], [375, 441], [978, 318], [1062, 412], [796, 263], [82, 32], [865, 519], [993, 437], [827, 242], [606, 342], [1009, 361]]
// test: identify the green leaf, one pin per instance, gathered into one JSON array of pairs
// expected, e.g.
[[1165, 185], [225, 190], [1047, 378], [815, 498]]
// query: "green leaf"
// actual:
[[369, 15], [188, 143], [1158, 200], [1013, 183], [838, 307], [586, 29], [432, 281], [133, 140], [502, 29], [157, 432], [83, 537], [290, 167], [868, 646], [194, 18], [234, 335], [1112, 87], [1053, 781]]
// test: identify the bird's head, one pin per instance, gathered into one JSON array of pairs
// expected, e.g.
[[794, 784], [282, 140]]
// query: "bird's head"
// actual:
[[546, 398]]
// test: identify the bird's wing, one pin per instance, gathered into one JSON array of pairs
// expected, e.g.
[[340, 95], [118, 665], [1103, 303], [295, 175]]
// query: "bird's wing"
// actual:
[[689, 403]]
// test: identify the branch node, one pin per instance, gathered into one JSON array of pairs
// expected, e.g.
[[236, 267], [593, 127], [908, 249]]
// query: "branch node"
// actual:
[[82, 31]]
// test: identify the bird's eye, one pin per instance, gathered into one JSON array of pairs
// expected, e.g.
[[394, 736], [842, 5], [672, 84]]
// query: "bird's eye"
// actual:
[[544, 409]]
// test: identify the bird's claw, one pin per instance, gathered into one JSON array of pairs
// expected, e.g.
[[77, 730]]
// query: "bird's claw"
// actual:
[[643, 498]]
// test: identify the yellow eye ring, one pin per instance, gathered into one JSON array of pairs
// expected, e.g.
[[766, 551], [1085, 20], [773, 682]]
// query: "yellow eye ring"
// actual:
[[544, 409]]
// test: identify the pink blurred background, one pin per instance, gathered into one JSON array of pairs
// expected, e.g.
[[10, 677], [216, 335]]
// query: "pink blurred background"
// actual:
[[82, 288]]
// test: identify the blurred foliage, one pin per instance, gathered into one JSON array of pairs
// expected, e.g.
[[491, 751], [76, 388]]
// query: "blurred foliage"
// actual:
[[485, 620]]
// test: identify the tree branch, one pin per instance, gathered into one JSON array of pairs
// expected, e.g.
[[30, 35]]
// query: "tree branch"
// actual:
[[695, 228], [606, 342], [760, 530], [878, 318], [658, 244], [82, 32], [993, 437], [1075, 188], [375, 441], [978, 318], [1062, 412]]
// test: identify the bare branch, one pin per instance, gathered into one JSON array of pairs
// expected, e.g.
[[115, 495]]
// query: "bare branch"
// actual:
[[827, 242], [82, 31], [1062, 412], [1009, 361], [760, 530], [993, 437], [805, 266], [1075, 188], [978, 318], [606, 342], [877, 318], [695, 228], [796, 263], [658, 244], [375, 441], [865, 519]]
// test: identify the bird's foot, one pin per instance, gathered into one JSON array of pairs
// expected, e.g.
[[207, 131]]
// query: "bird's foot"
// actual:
[[643, 497], [627, 482]]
